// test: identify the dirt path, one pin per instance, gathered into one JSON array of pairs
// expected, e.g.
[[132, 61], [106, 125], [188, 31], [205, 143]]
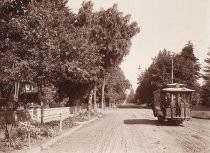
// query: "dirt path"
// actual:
[[136, 131]]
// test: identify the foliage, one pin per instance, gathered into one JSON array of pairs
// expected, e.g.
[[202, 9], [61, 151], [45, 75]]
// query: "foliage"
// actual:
[[145, 89], [47, 47], [108, 34], [49, 95], [36, 130], [81, 117], [206, 76], [110, 31], [206, 86], [130, 98], [45, 43], [116, 86], [186, 70], [24, 128], [28, 42], [205, 93], [187, 67], [48, 129], [160, 69]]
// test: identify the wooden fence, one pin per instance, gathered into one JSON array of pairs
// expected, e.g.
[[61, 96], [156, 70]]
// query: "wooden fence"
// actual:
[[36, 114], [53, 114]]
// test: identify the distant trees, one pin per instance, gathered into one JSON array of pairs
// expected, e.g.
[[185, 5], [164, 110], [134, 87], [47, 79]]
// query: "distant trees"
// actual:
[[117, 84], [206, 76], [206, 86], [186, 70], [130, 97], [44, 42], [156, 76]]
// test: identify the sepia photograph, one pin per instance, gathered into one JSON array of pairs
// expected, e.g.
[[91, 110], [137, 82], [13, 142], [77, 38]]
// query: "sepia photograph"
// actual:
[[104, 76]]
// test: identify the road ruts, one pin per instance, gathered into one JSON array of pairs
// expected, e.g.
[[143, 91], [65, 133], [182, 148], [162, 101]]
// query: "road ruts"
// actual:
[[135, 131]]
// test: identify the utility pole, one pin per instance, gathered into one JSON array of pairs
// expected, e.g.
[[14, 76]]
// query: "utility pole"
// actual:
[[172, 67], [172, 70]]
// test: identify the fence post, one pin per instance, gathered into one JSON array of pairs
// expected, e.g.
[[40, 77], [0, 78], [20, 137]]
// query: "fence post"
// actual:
[[42, 113], [60, 129], [29, 140]]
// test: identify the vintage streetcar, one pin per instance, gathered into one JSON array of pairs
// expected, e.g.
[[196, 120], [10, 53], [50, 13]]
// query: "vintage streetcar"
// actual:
[[173, 103]]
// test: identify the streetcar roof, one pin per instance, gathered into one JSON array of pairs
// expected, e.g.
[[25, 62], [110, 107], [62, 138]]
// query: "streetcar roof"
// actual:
[[175, 85], [177, 90]]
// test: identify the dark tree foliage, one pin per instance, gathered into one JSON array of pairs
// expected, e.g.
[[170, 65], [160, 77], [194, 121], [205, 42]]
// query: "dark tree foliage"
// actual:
[[43, 46], [206, 69], [186, 70], [130, 97], [144, 92], [116, 87], [44, 42], [110, 33], [160, 69], [11, 8], [29, 42], [205, 96]]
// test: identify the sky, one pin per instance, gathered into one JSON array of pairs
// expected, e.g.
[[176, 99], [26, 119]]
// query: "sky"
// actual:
[[168, 24]]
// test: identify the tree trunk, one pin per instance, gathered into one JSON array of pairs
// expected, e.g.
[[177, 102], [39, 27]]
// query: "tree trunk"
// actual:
[[41, 103], [15, 95], [17, 88], [103, 96], [95, 105], [90, 103]]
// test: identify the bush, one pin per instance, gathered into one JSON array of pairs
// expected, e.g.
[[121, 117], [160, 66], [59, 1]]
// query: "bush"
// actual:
[[48, 132], [37, 130], [49, 95], [24, 128], [68, 123]]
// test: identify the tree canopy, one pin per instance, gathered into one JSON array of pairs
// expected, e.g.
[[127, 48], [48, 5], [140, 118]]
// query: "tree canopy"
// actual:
[[44, 42], [185, 69], [116, 87], [206, 86]]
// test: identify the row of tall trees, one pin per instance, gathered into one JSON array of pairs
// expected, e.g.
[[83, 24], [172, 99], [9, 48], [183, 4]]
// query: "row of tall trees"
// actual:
[[185, 70], [44, 42]]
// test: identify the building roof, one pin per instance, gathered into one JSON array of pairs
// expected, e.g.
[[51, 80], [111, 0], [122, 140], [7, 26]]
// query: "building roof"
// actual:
[[184, 89]]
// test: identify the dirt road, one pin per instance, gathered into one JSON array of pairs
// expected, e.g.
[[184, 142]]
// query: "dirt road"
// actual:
[[136, 131]]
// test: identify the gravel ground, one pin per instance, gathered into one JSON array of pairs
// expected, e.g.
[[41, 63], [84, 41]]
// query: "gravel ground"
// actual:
[[136, 131]]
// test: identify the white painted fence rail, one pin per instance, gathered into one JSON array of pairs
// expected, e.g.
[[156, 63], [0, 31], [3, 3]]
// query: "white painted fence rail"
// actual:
[[53, 114]]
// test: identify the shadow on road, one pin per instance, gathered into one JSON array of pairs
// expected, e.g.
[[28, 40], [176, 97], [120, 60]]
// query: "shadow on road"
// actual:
[[141, 121], [133, 106], [150, 122]]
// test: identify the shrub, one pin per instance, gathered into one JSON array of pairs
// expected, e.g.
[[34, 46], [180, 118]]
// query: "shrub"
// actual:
[[48, 132], [24, 128], [68, 123], [37, 130]]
